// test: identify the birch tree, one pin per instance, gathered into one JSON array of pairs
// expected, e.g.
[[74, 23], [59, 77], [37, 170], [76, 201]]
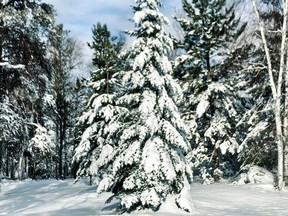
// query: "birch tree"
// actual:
[[276, 83]]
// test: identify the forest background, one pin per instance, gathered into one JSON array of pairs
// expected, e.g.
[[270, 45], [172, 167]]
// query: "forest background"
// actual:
[[216, 84]]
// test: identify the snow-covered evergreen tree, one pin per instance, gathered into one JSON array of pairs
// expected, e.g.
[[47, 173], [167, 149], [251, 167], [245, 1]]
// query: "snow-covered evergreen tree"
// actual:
[[96, 121], [65, 55], [206, 69], [11, 129], [15, 98], [24, 27], [147, 161]]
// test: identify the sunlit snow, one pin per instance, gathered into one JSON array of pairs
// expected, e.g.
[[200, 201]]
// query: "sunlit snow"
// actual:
[[60, 198]]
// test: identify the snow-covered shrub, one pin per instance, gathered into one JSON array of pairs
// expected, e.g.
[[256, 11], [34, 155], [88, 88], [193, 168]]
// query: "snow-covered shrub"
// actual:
[[255, 175], [258, 174], [42, 147], [41, 141]]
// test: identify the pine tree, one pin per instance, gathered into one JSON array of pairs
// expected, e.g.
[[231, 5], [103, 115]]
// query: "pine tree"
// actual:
[[11, 128], [106, 54], [15, 111], [106, 48], [147, 162], [206, 70], [65, 56], [95, 122], [24, 25]]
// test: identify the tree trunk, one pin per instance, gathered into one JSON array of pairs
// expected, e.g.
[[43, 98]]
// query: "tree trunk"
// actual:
[[56, 170], [7, 162], [278, 119], [1, 34], [12, 172], [209, 75], [285, 128], [279, 134], [107, 81], [60, 153], [21, 167], [65, 161], [1, 160], [26, 167], [34, 168], [61, 147], [51, 165]]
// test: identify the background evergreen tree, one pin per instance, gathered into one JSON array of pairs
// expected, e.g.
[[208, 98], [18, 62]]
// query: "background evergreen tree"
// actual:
[[106, 54], [94, 123], [12, 129], [207, 70], [147, 161], [17, 95], [65, 56], [23, 25]]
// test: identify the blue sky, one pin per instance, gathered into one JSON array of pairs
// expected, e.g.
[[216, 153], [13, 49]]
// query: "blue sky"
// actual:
[[79, 16]]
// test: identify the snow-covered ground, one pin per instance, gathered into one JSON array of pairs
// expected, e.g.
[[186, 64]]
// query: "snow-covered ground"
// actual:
[[51, 197]]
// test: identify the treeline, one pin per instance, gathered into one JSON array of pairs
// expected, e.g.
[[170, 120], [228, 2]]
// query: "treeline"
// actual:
[[38, 99], [155, 116]]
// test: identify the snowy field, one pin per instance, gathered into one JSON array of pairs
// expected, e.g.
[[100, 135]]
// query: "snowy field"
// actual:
[[64, 198]]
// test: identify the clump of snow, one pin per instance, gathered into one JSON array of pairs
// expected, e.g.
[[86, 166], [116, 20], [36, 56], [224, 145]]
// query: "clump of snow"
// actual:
[[7, 65], [254, 132], [128, 201], [49, 99], [42, 140], [150, 197], [184, 200], [258, 174], [255, 175], [202, 106], [151, 157]]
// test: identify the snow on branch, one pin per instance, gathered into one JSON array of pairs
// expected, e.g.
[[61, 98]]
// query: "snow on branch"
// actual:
[[42, 140]]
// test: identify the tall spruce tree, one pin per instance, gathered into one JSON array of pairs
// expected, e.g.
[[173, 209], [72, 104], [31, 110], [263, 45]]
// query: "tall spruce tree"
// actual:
[[147, 162], [206, 69]]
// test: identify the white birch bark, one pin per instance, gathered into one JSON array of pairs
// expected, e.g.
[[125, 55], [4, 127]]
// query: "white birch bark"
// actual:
[[276, 90], [285, 127]]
